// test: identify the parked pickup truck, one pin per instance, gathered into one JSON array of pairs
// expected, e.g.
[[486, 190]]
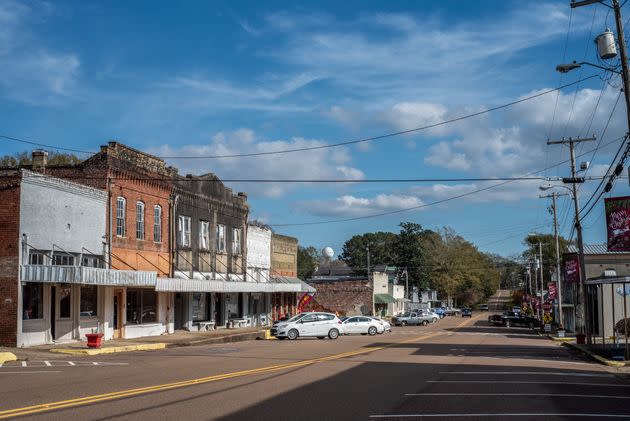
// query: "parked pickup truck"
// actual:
[[511, 318], [416, 318]]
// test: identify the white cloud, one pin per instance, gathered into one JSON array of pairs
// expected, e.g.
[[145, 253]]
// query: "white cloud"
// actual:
[[352, 206], [442, 155], [31, 73], [316, 164]]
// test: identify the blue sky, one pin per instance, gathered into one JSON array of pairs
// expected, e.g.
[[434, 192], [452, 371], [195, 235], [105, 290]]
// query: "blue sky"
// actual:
[[213, 78]]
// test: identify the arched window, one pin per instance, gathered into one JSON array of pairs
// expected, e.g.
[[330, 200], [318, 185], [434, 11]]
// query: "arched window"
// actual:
[[139, 220], [157, 224], [121, 211]]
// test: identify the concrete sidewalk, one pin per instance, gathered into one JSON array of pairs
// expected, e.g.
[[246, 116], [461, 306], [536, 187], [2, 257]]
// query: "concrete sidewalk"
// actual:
[[179, 338]]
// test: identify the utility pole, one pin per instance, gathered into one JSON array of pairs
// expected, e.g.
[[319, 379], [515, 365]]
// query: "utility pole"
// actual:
[[554, 196], [368, 261], [406, 283], [626, 86], [542, 277], [581, 324], [536, 265]]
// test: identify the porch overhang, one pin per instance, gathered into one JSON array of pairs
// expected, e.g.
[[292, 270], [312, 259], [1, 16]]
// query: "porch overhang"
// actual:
[[212, 285], [303, 286], [86, 276]]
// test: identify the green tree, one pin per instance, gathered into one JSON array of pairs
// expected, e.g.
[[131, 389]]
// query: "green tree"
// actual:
[[307, 260], [411, 253], [382, 247], [24, 158]]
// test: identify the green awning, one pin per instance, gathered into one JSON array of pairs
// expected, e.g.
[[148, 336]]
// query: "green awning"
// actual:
[[383, 299]]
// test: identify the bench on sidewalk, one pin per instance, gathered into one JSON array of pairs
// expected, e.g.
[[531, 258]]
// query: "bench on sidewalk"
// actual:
[[234, 323], [211, 325]]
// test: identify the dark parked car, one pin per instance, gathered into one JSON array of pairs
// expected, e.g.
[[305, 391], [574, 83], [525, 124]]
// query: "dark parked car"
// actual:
[[511, 318], [467, 312]]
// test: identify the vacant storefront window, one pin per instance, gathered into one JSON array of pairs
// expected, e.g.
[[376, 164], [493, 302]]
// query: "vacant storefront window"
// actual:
[[89, 300], [33, 301], [65, 301], [141, 306], [200, 306]]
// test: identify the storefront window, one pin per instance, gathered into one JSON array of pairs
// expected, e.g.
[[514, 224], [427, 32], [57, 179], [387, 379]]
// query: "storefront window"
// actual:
[[200, 306], [89, 300], [65, 301], [33, 301], [141, 306]]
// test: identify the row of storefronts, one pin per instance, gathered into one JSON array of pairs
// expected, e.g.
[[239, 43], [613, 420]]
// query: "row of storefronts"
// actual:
[[122, 244]]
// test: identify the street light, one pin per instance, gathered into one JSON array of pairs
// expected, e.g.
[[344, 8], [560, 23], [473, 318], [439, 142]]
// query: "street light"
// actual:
[[566, 68]]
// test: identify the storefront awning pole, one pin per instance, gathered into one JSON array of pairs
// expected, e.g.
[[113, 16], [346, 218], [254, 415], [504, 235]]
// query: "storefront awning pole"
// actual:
[[612, 298], [601, 322]]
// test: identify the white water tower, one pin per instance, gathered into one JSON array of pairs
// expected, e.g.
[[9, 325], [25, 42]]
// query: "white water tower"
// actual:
[[328, 253]]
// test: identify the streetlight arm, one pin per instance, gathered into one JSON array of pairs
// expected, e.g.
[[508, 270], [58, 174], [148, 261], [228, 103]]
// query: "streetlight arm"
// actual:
[[566, 68]]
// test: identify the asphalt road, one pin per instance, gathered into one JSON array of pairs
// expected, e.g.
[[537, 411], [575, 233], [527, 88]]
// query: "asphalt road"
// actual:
[[455, 369]]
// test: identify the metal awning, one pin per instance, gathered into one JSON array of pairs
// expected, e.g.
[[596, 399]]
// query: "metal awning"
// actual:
[[86, 276], [384, 299], [604, 280], [213, 285], [303, 286]]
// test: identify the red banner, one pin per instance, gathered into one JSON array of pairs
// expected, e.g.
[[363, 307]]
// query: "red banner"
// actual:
[[553, 291], [618, 223], [304, 300], [571, 268]]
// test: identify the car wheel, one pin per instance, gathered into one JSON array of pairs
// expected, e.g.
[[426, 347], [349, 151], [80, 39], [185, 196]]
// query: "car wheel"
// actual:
[[372, 331], [403, 323], [320, 337], [292, 334], [435, 320], [333, 334], [424, 323]]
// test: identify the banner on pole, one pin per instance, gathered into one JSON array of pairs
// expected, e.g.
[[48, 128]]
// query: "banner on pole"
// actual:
[[572, 268], [618, 223]]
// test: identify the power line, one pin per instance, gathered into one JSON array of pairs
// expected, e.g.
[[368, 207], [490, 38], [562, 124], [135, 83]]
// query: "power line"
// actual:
[[437, 202], [331, 145]]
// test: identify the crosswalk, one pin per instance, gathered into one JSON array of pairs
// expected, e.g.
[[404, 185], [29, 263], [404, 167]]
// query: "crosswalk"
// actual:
[[56, 363]]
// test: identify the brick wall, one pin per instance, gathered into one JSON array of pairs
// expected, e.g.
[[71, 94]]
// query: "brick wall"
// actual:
[[348, 298], [9, 258]]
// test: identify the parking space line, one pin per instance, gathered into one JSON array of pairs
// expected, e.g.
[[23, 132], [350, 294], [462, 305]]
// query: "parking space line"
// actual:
[[71, 363], [525, 382], [47, 363], [23, 363], [495, 414], [29, 372], [542, 373], [543, 395]]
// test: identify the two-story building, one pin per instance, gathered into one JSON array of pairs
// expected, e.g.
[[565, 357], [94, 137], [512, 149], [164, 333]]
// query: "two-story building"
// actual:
[[56, 284]]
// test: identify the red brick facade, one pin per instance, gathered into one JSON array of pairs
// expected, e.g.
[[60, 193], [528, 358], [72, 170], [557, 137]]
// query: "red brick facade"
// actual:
[[347, 297], [9, 258]]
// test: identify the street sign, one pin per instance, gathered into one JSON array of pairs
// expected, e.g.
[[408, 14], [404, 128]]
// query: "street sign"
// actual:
[[547, 328]]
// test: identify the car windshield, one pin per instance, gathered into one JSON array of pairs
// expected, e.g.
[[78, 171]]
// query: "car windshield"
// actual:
[[295, 318]]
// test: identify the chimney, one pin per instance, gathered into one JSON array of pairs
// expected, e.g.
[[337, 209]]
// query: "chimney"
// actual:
[[40, 159], [242, 195]]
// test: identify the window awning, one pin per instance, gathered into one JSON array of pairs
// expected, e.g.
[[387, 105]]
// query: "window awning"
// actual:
[[86, 275], [303, 286], [383, 299]]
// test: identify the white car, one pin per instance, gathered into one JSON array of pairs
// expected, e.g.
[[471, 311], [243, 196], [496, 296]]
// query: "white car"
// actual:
[[433, 314], [362, 324], [387, 327], [317, 325]]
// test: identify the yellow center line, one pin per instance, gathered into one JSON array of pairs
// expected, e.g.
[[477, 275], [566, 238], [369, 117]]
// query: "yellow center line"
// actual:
[[174, 385]]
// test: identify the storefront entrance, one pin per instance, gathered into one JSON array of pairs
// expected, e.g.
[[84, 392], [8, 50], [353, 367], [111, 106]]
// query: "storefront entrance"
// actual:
[[118, 314]]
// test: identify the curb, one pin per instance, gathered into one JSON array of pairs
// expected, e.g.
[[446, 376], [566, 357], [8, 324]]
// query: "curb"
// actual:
[[110, 350], [596, 357], [558, 339], [7, 356]]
